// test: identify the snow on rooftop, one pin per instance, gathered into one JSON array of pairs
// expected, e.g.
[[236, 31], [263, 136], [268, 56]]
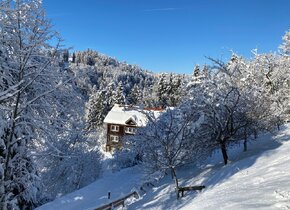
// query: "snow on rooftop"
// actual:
[[122, 114]]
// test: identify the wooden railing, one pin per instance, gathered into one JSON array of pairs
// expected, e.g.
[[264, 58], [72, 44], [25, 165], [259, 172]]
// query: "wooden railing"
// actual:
[[188, 188], [118, 202]]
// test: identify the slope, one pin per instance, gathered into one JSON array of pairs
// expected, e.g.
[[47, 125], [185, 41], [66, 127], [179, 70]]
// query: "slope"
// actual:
[[95, 194], [256, 179]]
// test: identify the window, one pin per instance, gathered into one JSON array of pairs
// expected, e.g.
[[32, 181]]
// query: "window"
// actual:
[[115, 128], [114, 138], [130, 130]]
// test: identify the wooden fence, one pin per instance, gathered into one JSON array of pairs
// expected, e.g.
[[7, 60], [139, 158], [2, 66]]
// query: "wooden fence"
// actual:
[[118, 202], [188, 188]]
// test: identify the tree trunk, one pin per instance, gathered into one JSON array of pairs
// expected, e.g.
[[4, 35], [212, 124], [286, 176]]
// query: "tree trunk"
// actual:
[[245, 145], [245, 142], [173, 172], [255, 134], [224, 153], [174, 176]]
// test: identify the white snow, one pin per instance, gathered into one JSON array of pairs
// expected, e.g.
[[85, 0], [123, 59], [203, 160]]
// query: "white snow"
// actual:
[[96, 194], [256, 179]]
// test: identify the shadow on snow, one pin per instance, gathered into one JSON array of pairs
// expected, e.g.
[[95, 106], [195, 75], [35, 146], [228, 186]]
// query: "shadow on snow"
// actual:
[[212, 173]]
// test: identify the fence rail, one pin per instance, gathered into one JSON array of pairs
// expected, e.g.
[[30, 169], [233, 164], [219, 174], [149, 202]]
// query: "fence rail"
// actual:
[[118, 202], [188, 188]]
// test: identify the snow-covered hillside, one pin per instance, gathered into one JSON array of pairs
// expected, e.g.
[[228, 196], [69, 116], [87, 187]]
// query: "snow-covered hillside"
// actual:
[[96, 194], [256, 179]]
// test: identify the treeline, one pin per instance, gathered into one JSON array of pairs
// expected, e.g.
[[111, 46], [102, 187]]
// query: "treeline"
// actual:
[[106, 81], [226, 104]]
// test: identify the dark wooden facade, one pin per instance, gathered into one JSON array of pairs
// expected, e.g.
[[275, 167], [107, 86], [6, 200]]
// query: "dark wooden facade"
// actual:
[[113, 144]]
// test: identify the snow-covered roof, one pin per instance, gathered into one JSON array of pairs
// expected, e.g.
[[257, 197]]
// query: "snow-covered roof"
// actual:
[[123, 114]]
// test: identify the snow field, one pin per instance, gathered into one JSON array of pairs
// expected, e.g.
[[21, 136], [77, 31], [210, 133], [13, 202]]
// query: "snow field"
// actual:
[[256, 179]]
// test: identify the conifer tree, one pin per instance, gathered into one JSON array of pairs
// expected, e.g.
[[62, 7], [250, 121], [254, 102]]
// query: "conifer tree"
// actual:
[[196, 78], [65, 56], [161, 90], [118, 95], [176, 91], [73, 57], [135, 96], [286, 43], [97, 109], [196, 71], [205, 71]]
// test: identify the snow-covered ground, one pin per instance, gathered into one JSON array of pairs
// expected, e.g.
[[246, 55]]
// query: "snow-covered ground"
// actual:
[[256, 179], [96, 194]]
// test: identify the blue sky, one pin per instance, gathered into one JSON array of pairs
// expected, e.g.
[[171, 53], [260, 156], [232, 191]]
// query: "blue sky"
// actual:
[[170, 35]]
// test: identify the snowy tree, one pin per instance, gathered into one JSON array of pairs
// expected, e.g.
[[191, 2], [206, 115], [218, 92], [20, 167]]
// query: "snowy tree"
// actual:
[[110, 94], [73, 57], [135, 96], [29, 66], [205, 71], [196, 71], [168, 90], [161, 90], [167, 142], [286, 43], [118, 96], [97, 109], [226, 98], [69, 145], [224, 118], [148, 99], [197, 77], [176, 90], [88, 57], [65, 55], [39, 120], [78, 163]]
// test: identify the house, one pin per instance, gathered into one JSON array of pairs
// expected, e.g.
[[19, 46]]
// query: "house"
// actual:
[[124, 120]]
